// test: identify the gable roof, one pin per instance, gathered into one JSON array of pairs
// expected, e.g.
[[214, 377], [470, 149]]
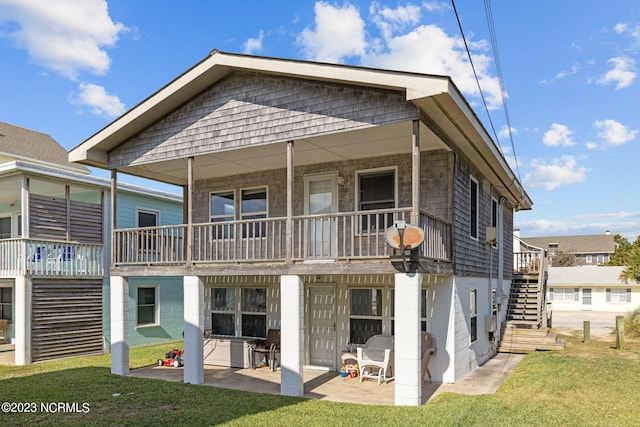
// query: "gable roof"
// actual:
[[35, 147], [436, 97], [588, 244]]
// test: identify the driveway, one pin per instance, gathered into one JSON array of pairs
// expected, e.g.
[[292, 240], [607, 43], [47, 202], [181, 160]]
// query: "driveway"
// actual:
[[603, 323]]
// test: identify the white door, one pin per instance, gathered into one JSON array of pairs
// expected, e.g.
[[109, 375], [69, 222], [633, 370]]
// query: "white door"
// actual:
[[321, 197], [322, 327]]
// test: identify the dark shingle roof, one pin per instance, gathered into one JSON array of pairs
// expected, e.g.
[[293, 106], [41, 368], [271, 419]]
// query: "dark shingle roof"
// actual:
[[28, 145], [591, 244]]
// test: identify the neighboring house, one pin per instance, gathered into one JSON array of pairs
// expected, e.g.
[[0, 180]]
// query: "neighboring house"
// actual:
[[587, 250], [54, 252], [578, 278], [292, 171]]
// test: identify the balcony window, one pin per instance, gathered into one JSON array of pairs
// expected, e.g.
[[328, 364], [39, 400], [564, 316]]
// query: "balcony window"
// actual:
[[147, 218], [254, 206], [222, 209], [376, 190], [5, 227], [365, 314], [223, 311]]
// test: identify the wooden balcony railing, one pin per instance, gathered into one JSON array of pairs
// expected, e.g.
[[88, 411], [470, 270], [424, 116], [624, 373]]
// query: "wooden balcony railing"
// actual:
[[48, 258], [336, 236]]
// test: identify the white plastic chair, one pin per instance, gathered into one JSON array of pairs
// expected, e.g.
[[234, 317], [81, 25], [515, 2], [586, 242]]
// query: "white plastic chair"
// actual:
[[375, 358]]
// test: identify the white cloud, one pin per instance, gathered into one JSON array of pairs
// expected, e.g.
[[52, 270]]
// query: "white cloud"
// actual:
[[505, 132], [558, 135], [562, 74], [254, 44], [66, 36], [613, 132], [622, 74], [632, 31], [435, 6], [560, 171], [99, 101], [339, 33]]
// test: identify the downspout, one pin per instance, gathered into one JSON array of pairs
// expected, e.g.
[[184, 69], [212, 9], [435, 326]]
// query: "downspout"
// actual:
[[500, 242]]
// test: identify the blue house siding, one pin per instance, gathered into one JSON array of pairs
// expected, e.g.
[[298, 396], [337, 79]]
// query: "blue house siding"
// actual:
[[169, 296]]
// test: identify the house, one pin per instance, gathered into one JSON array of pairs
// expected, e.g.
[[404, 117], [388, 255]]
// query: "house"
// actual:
[[567, 251], [292, 173], [574, 284], [54, 246]]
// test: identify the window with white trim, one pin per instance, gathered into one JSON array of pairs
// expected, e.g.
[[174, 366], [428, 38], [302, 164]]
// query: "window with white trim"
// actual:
[[494, 218], [618, 295], [5, 227], [600, 259], [365, 314], [376, 189], [473, 315], [147, 217], [564, 294], [253, 205], [589, 259], [147, 306], [223, 315], [474, 201]]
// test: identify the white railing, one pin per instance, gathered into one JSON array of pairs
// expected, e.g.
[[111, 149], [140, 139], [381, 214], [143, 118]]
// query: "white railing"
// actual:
[[50, 258], [335, 236]]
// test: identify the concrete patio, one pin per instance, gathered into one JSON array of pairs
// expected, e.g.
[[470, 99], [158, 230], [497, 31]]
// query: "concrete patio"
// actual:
[[326, 385]]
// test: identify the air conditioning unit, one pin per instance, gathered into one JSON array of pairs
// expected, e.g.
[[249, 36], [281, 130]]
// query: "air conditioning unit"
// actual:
[[492, 236], [490, 324]]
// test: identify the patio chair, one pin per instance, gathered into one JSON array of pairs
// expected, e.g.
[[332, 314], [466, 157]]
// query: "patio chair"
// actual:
[[428, 349], [375, 358], [268, 349], [4, 331]]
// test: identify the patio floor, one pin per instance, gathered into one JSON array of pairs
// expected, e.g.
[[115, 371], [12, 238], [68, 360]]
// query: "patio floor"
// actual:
[[330, 386]]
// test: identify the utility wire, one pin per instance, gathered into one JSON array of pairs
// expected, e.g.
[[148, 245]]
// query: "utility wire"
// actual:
[[498, 71]]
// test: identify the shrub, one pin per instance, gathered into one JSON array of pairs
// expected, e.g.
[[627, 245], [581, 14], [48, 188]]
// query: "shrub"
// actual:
[[632, 323]]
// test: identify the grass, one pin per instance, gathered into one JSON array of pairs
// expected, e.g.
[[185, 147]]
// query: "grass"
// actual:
[[585, 385]]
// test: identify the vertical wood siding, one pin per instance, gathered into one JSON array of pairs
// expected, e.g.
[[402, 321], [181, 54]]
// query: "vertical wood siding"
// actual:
[[66, 318], [247, 109], [48, 219]]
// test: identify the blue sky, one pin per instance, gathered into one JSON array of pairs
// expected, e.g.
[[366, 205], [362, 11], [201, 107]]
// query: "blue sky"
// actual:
[[569, 69]]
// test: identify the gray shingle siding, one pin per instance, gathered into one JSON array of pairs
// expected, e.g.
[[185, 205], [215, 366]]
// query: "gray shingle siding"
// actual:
[[247, 109]]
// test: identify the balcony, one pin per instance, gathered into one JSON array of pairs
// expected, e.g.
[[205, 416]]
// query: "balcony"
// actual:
[[48, 258], [335, 237]]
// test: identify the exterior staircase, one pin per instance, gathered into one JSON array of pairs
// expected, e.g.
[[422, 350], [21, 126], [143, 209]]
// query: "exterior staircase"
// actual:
[[527, 328]]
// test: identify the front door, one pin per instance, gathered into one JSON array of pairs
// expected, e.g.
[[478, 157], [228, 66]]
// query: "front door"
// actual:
[[322, 327], [321, 200]]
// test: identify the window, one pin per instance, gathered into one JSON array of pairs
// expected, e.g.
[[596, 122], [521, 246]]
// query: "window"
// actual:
[[147, 306], [253, 312], [586, 296], [6, 303], [473, 208], [473, 314], [222, 209], [5, 227], [600, 259], [147, 218], [254, 206], [618, 295], [365, 314], [223, 318], [494, 218], [563, 294], [589, 259], [494, 302], [376, 190]]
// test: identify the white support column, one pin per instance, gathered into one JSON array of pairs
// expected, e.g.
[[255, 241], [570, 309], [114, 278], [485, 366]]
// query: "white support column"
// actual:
[[22, 321], [119, 325], [291, 336], [407, 361], [193, 330]]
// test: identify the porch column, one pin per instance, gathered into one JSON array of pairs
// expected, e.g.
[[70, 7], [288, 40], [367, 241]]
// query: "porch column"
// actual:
[[22, 321], [119, 325], [407, 361], [113, 208], [291, 336], [415, 174], [289, 223], [193, 330]]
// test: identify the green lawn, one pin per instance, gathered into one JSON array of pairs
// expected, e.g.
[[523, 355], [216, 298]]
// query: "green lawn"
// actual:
[[586, 385]]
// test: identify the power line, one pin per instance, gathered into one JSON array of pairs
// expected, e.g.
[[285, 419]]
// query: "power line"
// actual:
[[494, 45]]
